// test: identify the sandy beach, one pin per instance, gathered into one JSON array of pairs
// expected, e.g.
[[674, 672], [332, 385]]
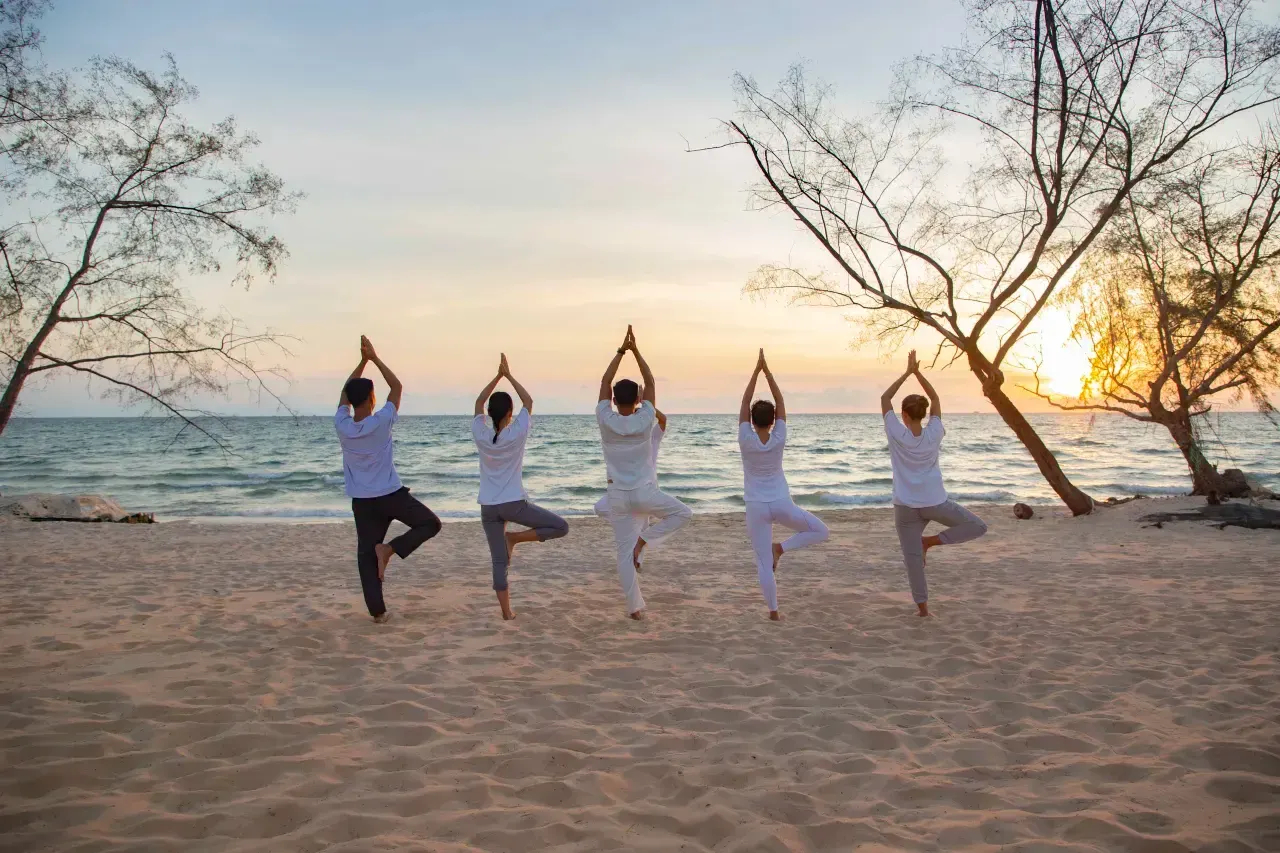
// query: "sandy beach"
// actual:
[[1085, 684]]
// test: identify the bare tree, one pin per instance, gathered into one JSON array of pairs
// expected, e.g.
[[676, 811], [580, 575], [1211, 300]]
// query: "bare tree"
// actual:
[[124, 198], [1179, 303], [1066, 105]]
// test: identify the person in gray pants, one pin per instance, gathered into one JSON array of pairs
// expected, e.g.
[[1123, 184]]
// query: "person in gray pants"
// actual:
[[918, 494], [503, 499]]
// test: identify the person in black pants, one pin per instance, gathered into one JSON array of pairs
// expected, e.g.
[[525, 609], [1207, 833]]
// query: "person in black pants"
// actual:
[[369, 472]]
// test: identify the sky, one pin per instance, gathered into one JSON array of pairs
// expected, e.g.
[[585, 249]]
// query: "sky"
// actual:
[[490, 177]]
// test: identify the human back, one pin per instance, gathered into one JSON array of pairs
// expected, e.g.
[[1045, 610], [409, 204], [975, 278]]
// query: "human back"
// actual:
[[917, 474], [368, 459], [762, 474], [501, 453]]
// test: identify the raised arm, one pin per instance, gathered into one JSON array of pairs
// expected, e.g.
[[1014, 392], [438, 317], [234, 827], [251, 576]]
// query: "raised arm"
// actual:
[[488, 389], [355, 374], [935, 405], [606, 384], [886, 399], [525, 399], [395, 389], [779, 407], [744, 411], [646, 375], [662, 419]]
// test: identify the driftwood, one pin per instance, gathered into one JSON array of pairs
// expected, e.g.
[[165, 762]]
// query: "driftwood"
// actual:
[[1226, 515]]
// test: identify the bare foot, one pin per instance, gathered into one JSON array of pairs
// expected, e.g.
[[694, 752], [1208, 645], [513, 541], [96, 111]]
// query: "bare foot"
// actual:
[[926, 543], [924, 609], [635, 555], [383, 617], [775, 616], [638, 616], [777, 554], [384, 553], [511, 545], [504, 601]]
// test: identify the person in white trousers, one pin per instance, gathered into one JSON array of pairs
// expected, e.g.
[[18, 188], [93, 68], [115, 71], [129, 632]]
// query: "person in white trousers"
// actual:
[[918, 494], [762, 438], [626, 438]]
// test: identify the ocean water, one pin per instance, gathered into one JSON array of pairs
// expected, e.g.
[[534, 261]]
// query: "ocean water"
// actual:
[[287, 468]]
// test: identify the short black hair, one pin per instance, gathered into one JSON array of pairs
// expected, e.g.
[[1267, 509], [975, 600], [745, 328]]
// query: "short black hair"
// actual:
[[762, 413], [626, 392], [358, 390], [916, 406]]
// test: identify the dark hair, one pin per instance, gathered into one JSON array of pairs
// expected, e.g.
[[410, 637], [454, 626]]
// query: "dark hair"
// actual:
[[499, 407], [358, 390], [762, 413], [626, 392], [915, 406]]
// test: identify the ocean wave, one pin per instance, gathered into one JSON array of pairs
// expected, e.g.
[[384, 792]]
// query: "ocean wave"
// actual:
[[994, 496], [824, 498], [273, 512], [1131, 489]]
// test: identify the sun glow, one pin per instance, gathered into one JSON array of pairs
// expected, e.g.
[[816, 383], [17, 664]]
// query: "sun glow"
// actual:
[[1064, 363]]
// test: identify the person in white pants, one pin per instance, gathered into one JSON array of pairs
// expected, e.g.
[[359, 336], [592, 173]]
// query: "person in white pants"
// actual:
[[656, 434], [762, 438], [918, 494], [626, 437]]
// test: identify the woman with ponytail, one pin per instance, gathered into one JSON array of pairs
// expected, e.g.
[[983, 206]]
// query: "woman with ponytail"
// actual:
[[500, 440]]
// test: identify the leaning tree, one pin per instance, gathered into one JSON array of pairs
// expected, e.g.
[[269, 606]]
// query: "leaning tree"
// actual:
[[113, 199], [1179, 303], [965, 202]]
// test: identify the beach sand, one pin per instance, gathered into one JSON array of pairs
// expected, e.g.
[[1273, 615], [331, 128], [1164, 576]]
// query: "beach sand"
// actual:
[[1085, 684]]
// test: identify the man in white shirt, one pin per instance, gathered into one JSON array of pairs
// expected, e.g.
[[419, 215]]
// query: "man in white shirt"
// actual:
[[918, 494], [626, 437], [371, 481], [656, 435]]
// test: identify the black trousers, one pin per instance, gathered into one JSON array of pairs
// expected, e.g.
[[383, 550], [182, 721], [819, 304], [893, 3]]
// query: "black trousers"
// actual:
[[373, 517]]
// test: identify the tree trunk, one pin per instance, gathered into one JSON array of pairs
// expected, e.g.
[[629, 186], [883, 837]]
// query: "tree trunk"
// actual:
[[9, 401], [1077, 501], [1205, 477]]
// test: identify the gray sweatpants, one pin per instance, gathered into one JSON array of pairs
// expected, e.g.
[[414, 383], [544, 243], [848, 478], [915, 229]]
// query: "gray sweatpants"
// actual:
[[544, 522], [911, 521]]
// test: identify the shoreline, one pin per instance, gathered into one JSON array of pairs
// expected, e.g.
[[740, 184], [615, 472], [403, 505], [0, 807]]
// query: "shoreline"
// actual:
[[1042, 510]]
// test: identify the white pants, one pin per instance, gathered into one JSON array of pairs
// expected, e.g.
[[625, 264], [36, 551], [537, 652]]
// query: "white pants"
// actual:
[[629, 512], [761, 516]]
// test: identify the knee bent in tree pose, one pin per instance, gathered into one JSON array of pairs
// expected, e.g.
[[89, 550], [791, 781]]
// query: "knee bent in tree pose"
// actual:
[[919, 496]]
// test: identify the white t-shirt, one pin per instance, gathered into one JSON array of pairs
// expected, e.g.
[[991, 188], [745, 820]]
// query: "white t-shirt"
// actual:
[[368, 470], [501, 462], [628, 445], [917, 479], [762, 475]]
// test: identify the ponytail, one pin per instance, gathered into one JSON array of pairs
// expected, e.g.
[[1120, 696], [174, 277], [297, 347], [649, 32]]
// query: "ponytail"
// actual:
[[500, 406]]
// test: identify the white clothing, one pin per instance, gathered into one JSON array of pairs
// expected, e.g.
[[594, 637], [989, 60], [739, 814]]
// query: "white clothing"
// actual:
[[762, 475], [368, 470], [501, 461], [628, 449], [917, 479], [629, 512], [655, 441], [761, 516]]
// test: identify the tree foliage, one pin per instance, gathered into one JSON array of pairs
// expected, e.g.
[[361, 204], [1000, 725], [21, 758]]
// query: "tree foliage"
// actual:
[[1067, 107], [114, 199], [1179, 304]]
